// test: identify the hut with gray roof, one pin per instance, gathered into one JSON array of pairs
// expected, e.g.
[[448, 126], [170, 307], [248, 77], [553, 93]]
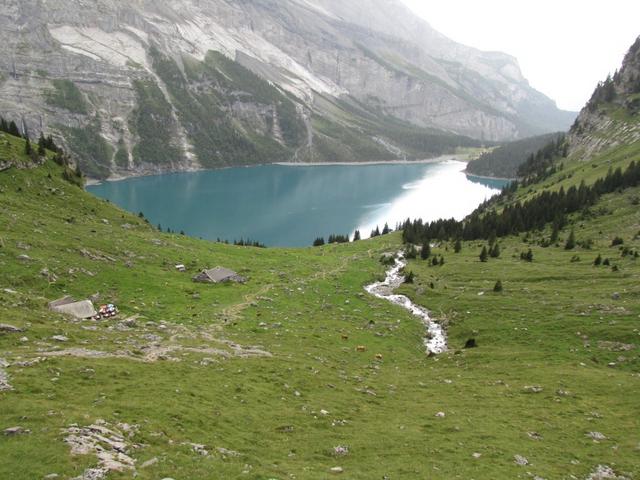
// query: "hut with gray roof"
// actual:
[[68, 306], [219, 275]]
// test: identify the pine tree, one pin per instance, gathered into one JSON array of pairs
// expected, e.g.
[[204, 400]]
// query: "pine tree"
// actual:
[[318, 242], [426, 250], [495, 251], [497, 287], [598, 261], [27, 146], [375, 233], [484, 255], [42, 146], [386, 230], [441, 261], [457, 248], [356, 236], [571, 241]]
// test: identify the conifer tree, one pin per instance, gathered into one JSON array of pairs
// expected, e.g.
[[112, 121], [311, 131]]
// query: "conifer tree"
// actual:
[[426, 250], [571, 241], [386, 230], [457, 248], [484, 255], [356, 236], [598, 261], [27, 147], [41, 146], [497, 287], [495, 251]]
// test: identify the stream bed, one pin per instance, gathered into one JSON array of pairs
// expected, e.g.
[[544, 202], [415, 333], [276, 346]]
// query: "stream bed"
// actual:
[[435, 340]]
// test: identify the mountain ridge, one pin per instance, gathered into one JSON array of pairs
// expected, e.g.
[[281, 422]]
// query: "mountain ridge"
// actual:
[[347, 79]]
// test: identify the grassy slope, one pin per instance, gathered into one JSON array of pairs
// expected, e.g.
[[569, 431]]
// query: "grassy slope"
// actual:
[[298, 305]]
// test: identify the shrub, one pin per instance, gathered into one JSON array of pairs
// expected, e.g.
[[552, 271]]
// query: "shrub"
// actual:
[[409, 277], [617, 241], [498, 286]]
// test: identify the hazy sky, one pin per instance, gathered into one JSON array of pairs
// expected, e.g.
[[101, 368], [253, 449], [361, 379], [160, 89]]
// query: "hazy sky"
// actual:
[[564, 46]]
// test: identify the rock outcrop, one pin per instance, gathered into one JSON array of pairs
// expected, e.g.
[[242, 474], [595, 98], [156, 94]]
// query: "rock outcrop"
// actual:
[[154, 86], [610, 117]]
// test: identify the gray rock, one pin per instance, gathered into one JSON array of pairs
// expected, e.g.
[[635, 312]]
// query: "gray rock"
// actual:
[[597, 436], [520, 460], [12, 431], [9, 328], [336, 470], [60, 338]]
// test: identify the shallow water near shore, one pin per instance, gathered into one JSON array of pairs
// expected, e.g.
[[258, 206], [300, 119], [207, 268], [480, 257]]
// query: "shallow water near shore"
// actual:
[[290, 206]]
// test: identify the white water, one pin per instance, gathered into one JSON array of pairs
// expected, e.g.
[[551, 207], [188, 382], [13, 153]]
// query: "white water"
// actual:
[[436, 339]]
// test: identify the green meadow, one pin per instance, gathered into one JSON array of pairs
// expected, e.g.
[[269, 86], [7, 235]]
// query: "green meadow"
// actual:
[[265, 380]]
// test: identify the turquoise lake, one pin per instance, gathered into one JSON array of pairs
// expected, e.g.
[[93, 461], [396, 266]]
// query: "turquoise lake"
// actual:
[[282, 205]]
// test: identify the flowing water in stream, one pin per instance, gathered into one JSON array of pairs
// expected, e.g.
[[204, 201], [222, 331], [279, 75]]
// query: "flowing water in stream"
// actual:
[[435, 340]]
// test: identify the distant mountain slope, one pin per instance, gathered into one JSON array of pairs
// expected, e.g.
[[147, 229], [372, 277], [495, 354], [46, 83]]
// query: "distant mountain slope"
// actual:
[[154, 86], [503, 161]]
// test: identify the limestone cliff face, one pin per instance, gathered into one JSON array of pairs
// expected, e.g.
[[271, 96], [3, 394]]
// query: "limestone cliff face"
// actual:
[[610, 118], [150, 85]]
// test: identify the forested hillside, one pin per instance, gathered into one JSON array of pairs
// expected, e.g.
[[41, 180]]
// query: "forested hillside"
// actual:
[[505, 160]]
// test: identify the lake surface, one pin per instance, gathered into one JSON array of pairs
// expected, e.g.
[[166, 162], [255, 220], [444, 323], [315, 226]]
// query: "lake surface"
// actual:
[[292, 205]]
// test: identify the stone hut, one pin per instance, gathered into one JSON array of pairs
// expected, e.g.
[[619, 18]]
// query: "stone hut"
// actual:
[[68, 306], [219, 275]]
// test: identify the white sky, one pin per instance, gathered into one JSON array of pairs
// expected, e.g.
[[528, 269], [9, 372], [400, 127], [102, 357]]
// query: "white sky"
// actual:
[[565, 47]]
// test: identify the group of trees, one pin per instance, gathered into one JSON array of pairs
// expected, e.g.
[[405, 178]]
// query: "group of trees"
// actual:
[[333, 238], [385, 231], [533, 214], [39, 151], [540, 165], [337, 238]]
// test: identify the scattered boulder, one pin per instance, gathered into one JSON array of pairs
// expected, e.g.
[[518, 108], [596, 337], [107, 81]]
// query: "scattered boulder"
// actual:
[[520, 460], [336, 470], [60, 338], [532, 389], [9, 328], [534, 435], [13, 431], [604, 472], [5, 386], [341, 450], [596, 436], [441, 415], [150, 463], [615, 296]]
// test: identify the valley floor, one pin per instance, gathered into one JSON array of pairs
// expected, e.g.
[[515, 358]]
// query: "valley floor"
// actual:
[[300, 373]]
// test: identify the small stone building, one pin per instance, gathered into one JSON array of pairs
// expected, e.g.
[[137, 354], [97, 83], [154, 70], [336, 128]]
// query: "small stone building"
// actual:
[[68, 306], [219, 275]]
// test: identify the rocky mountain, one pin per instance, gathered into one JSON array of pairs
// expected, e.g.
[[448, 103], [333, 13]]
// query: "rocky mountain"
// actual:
[[610, 117], [153, 86]]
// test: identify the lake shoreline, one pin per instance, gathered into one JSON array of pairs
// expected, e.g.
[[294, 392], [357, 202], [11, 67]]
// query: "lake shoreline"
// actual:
[[467, 173], [463, 157]]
